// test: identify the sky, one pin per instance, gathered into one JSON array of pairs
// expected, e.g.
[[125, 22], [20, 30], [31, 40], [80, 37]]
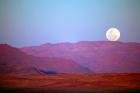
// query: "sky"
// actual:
[[35, 22]]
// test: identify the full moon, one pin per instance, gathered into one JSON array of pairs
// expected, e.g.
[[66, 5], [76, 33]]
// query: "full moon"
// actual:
[[113, 34]]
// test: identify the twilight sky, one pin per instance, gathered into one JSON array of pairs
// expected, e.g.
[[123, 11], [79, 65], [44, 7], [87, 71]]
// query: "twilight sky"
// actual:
[[35, 22]]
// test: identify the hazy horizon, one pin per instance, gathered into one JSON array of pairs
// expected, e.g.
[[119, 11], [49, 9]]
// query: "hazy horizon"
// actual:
[[55, 43]]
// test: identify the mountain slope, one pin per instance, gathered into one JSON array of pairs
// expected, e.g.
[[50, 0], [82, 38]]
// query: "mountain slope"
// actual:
[[98, 56], [13, 61]]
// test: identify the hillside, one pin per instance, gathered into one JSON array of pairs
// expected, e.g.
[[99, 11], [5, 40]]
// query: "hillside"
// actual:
[[98, 56], [14, 61]]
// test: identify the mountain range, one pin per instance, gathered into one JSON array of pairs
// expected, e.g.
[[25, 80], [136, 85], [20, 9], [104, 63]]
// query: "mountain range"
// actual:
[[80, 57], [14, 61]]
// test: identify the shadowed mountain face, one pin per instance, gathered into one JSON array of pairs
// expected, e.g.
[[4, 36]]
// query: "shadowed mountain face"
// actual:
[[14, 61], [99, 56]]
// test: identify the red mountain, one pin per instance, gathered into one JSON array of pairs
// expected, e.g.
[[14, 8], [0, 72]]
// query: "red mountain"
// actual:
[[98, 56], [14, 61]]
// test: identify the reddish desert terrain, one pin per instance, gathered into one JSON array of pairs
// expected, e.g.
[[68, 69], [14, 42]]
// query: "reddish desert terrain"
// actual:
[[71, 83]]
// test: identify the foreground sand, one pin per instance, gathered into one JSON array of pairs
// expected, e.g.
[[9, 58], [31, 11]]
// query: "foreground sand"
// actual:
[[71, 83]]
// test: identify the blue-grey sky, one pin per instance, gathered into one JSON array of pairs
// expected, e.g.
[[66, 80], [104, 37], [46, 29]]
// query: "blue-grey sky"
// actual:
[[35, 22]]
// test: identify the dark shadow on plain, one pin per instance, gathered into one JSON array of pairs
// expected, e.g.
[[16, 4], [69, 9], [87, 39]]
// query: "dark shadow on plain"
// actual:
[[64, 91]]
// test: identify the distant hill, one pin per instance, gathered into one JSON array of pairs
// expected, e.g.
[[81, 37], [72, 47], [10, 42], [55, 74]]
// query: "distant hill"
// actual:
[[98, 56], [14, 61]]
